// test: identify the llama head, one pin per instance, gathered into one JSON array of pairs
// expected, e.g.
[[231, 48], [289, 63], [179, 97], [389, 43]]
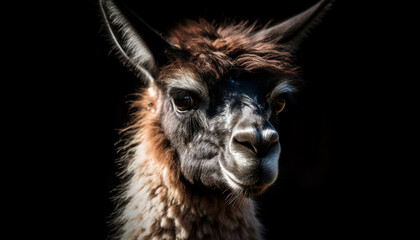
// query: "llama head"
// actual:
[[218, 91]]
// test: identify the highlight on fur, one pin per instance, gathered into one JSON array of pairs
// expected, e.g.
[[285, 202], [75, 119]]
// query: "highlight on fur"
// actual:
[[204, 138]]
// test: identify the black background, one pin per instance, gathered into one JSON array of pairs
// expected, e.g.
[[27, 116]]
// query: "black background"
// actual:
[[340, 165]]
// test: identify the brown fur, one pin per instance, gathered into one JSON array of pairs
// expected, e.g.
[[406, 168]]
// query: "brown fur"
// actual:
[[216, 51]]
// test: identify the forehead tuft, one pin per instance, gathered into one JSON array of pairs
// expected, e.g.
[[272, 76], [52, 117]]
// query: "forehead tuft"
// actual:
[[187, 80], [214, 51]]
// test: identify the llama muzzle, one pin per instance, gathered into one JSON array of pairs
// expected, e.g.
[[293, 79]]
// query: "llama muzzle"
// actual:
[[254, 151]]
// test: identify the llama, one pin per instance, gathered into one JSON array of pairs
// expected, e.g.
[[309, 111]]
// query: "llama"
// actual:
[[204, 136]]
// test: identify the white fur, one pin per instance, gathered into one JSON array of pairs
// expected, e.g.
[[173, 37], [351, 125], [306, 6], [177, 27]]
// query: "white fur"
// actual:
[[283, 87], [190, 81]]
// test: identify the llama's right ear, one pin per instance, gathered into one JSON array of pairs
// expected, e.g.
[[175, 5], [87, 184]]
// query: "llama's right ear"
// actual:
[[139, 47], [292, 31]]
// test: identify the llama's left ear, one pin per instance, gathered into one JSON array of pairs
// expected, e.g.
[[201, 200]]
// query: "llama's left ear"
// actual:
[[292, 31], [139, 47]]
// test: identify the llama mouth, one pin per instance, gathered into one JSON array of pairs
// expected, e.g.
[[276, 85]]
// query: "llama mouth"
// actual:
[[250, 190]]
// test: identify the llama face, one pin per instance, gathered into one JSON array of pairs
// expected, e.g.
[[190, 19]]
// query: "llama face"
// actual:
[[224, 131], [218, 91]]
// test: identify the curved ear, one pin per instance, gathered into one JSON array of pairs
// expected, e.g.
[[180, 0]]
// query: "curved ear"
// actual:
[[139, 47], [292, 31]]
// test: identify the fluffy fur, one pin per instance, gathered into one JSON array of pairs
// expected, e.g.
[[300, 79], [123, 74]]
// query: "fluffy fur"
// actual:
[[214, 52]]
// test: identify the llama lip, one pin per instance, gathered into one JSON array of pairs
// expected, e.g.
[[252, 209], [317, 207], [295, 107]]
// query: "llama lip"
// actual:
[[246, 189], [250, 190]]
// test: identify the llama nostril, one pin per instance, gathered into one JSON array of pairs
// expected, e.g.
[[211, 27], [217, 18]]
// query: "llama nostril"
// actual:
[[257, 141], [247, 144]]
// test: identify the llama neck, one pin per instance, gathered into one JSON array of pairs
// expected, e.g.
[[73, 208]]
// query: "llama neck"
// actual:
[[161, 208], [160, 205]]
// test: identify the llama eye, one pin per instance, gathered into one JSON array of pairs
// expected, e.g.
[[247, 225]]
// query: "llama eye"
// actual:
[[184, 103], [278, 106]]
